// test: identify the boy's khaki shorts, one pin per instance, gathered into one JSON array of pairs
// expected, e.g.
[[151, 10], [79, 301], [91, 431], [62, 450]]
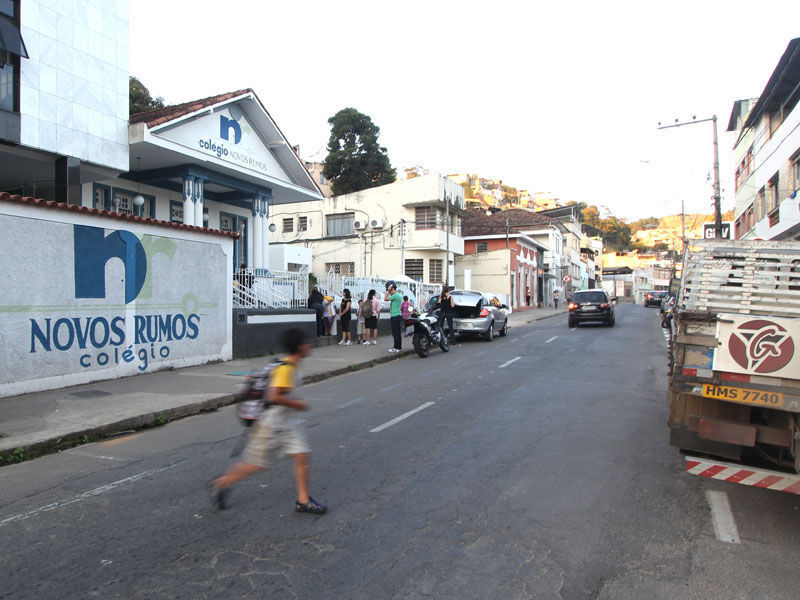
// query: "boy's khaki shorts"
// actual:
[[263, 440], [360, 328]]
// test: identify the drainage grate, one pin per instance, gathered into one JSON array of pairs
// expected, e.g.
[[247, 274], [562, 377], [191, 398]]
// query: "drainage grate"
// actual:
[[91, 394]]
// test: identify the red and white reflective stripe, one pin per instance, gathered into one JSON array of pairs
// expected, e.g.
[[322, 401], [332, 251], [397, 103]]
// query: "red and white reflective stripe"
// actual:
[[761, 478], [692, 372]]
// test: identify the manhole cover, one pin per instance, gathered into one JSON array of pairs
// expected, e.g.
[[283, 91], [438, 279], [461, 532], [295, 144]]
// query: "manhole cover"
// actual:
[[91, 394]]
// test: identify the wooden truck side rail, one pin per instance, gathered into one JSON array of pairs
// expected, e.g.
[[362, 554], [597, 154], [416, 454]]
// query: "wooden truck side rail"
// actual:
[[736, 413]]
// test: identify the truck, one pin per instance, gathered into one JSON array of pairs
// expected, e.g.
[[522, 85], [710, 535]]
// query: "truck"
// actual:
[[734, 362]]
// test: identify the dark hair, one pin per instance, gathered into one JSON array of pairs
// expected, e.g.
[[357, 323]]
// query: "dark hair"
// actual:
[[445, 289], [346, 293], [371, 294], [243, 266], [292, 339], [405, 298]]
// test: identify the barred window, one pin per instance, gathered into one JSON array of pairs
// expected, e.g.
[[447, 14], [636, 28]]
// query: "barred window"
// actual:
[[341, 268], [414, 268], [482, 247], [302, 223], [288, 225], [340, 224], [436, 270], [426, 217]]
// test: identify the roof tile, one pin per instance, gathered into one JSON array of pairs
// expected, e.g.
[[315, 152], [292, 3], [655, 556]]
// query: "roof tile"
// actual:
[[4, 196], [477, 222], [159, 116]]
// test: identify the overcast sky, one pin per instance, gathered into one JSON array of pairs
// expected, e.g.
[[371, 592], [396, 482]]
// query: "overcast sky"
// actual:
[[560, 97]]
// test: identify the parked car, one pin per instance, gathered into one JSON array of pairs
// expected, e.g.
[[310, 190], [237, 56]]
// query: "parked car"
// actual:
[[591, 305], [654, 297], [477, 314]]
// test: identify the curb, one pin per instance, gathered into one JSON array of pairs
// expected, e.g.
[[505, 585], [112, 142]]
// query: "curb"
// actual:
[[18, 454]]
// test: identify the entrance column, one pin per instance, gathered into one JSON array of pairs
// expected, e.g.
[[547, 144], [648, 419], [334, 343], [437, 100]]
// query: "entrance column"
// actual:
[[265, 229], [188, 201], [258, 258], [198, 202]]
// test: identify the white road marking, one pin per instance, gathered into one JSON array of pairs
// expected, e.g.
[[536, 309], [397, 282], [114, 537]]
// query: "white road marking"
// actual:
[[91, 493], [514, 339], [353, 401], [722, 517], [529, 334], [389, 388], [401, 417], [505, 364], [431, 372], [460, 360], [90, 455], [551, 339]]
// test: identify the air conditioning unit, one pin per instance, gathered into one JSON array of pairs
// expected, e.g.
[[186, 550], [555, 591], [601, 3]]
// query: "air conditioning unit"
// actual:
[[360, 224], [376, 223]]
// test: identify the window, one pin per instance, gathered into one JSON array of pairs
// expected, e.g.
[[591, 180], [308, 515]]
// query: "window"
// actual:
[[226, 222], [435, 270], [322, 180], [9, 61], [482, 247], [288, 225], [340, 224], [413, 268], [302, 223], [796, 173], [426, 217], [120, 200], [772, 193], [176, 211], [347, 269], [761, 204]]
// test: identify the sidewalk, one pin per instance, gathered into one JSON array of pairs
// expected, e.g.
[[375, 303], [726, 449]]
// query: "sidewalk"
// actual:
[[44, 422]]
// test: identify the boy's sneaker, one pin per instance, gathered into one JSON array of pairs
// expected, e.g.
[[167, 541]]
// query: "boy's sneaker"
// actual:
[[218, 496], [312, 506], [348, 343], [340, 343], [374, 343]]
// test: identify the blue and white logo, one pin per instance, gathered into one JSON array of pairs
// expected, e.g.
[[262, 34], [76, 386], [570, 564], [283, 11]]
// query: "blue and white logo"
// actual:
[[93, 249]]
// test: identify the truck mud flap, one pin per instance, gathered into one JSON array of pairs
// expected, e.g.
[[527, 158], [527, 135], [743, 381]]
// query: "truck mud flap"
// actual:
[[755, 477]]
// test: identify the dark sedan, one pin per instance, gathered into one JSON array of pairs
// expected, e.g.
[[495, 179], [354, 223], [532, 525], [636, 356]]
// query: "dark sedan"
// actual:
[[654, 297], [591, 305]]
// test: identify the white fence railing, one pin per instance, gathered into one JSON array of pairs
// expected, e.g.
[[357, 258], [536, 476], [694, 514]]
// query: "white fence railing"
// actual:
[[261, 288], [333, 285]]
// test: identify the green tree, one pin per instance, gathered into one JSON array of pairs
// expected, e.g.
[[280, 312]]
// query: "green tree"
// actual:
[[139, 98], [355, 161]]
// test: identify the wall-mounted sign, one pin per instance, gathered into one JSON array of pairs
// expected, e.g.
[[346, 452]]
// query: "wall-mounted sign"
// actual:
[[710, 233], [222, 137]]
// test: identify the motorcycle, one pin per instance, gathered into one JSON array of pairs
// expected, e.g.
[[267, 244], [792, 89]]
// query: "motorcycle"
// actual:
[[666, 318], [426, 330]]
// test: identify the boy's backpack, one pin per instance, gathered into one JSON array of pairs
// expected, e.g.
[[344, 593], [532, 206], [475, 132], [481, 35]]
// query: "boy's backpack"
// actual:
[[366, 309], [252, 396]]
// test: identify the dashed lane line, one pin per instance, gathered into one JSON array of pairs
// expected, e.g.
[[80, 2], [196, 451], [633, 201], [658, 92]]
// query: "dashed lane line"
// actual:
[[351, 402], [505, 364], [551, 339], [389, 388], [724, 525], [90, 494], [91, 455], [431, 372], [401, 417]]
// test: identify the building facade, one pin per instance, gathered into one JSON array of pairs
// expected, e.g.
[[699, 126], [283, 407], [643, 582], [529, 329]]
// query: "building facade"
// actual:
[[767, 151], [499, 264], [411, 227]]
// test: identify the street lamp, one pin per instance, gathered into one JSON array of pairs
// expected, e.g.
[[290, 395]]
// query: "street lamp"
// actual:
[[717, 198]]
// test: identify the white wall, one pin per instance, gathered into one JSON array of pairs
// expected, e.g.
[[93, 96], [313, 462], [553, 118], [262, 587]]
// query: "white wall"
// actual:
[[74, 87], [74, 320]]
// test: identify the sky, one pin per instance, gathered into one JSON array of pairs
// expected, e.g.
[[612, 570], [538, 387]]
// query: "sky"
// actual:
[[557, 97]]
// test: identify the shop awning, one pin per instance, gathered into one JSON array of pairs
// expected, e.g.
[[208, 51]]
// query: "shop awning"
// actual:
[[10, 38]]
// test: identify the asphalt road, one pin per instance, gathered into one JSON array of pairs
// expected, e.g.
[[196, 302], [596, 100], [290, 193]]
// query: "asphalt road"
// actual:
[[534, 466]]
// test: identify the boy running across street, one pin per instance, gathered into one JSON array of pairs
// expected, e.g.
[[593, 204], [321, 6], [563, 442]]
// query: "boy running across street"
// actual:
[[278, 428]]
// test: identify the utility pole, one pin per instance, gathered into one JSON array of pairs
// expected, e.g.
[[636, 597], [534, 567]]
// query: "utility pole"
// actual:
[[447, 240], [717, 193], [402, 245]]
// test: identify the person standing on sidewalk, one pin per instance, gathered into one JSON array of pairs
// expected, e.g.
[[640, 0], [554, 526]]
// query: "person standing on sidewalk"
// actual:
[[278, 428], [360, 323], [555, 298], [344, 318], [371, 310], [395, 316]]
